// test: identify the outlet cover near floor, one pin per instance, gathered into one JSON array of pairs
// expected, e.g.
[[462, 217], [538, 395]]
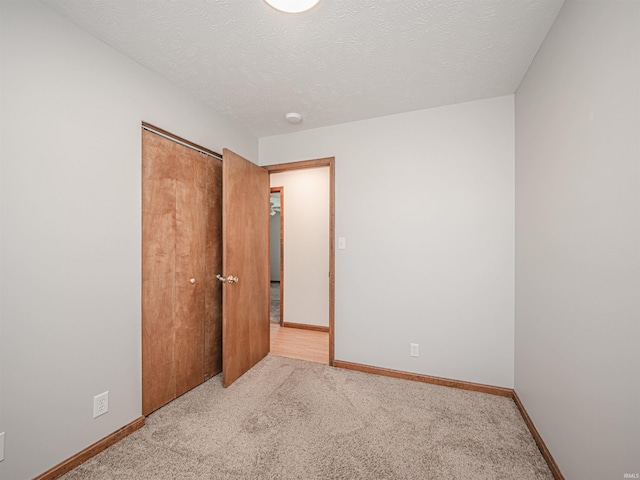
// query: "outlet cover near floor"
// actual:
[[1, 446], [100, 404]]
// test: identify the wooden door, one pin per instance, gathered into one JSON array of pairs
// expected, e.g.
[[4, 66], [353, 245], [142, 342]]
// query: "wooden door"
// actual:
[[158, 265], [181, 253], [188, 323], [245, 252], [213, 266]]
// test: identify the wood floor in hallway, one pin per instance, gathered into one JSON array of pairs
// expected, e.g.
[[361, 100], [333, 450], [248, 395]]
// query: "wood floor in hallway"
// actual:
[[299, 343]]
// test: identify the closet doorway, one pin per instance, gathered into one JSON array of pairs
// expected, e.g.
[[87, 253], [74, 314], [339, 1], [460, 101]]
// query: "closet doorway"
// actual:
[[205, 261], [307, 271], [181, 255]]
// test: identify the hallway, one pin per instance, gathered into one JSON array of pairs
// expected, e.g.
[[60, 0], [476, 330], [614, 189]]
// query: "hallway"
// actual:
[[299, 343]]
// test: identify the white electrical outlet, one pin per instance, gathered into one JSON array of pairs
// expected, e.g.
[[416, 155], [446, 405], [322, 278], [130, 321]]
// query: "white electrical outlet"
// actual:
[[415, 350], [1, 446], [100, 404]]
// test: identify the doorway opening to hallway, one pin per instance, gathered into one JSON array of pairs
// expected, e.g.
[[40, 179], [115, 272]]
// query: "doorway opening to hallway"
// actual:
[[302, 259]]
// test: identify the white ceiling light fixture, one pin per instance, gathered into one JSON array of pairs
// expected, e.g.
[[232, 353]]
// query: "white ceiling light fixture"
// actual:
[[292, 6], [293, 118]]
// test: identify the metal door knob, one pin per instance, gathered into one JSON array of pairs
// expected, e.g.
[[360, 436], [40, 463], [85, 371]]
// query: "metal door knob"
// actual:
[[229, 279]]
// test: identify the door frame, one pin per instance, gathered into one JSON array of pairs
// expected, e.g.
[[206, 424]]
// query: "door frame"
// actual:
[[280, 190], [316, 163]]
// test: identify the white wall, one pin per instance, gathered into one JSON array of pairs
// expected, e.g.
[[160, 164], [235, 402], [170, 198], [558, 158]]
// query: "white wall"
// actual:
[[71, 240], [306, 245], [577, 367], [426, 202]]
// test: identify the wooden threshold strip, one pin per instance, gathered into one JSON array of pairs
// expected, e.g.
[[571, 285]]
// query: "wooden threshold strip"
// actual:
[[553, 466], [91, 451], [304, 326]]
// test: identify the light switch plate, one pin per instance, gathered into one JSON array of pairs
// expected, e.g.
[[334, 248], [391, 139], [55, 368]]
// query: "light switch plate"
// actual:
[[342, 243]]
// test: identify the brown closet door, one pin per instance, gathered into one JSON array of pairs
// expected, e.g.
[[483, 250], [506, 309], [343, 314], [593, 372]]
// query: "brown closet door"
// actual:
[[181, 254], [158, 270], [213, 266], [191, 221]]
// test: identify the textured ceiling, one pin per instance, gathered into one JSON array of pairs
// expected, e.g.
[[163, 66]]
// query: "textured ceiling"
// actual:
[[344, 60]]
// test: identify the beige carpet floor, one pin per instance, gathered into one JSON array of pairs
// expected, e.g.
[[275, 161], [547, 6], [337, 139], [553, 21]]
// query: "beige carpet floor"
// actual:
[[291, 419]]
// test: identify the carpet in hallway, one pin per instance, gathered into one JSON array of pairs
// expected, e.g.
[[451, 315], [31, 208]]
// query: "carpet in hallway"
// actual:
[[274, 308]]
